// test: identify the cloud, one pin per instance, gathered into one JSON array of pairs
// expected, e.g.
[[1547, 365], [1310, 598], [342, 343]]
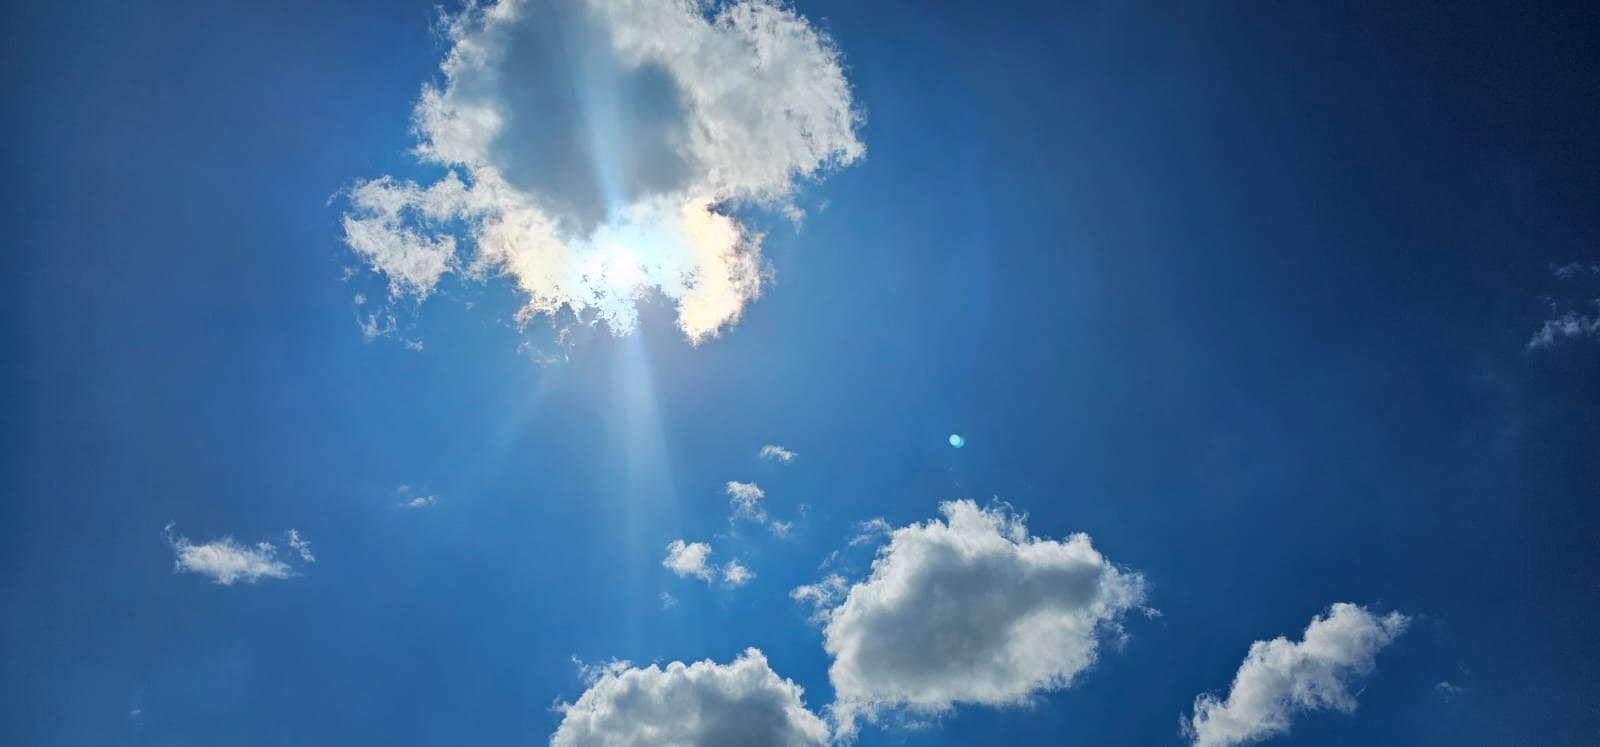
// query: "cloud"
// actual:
[[689, 559], [1567, 321], [668, 601], [735, 574], [693, 559], [971, 609], [1569, 324], [596, 153], [776, 453], [821, 596], [226, 561], [745, 498], [704, 703], [1448, 690], [421, 501], [1280, 678], [870, 530], [301, 547]]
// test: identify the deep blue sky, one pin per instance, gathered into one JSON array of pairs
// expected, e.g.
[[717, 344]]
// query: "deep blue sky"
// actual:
[[1240, 289]]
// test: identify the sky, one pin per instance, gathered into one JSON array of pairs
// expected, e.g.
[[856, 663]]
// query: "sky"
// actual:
[[586, 372]]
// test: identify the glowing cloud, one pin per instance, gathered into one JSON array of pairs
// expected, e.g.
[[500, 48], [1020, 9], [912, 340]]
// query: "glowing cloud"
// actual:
[[596, 151]]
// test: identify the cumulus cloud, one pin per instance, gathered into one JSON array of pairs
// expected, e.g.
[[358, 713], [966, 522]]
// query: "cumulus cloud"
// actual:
[[689, 559], [776, 453], [971, 609], [596, 152], [227, 562], [1280, 678], [704, 703], [735, 574]]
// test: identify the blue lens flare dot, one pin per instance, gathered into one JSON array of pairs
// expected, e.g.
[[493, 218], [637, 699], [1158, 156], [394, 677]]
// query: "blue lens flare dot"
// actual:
[[957, 441]]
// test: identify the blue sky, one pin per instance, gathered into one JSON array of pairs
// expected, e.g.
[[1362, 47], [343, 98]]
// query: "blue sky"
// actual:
[[1281, 306]]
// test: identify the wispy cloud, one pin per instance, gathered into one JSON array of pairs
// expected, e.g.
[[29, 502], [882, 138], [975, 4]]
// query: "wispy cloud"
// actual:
[[776, 453], [589, 194], [1280, 678], [1574, 316], [227, 562], [668, 601], [870, 530], [301, 546]]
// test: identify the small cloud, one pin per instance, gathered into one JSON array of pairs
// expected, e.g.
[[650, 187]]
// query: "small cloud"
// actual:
[[870, 530], [301, 546], [135, 713], [780, 529], [1281, 678], [689, 559], [822, 596], [225, 561], [1448, 690], [421, 501], [746, 500], [668, 601], [1571, 317], [734, 574], [776, 453]]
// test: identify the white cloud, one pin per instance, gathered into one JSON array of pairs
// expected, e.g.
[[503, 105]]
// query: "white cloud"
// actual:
[[969, 610], [597, 149], [1569, 324], [1448, 690], [776, 453], [735, 574], [689, 559], [301, 546], [870, 530], [745, 497], [703, 703], [822, 596], [421, 501], [668, 601], [226, 561], [1567, 321], [1280, 678]]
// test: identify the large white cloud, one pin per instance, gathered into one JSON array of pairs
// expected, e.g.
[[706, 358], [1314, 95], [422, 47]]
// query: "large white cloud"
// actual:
[[704, 703], [971, 609], [227, 562], [596, 148], [1280, 678]]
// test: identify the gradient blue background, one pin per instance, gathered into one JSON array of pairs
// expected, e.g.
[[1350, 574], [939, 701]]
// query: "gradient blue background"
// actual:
[[1240, 289]]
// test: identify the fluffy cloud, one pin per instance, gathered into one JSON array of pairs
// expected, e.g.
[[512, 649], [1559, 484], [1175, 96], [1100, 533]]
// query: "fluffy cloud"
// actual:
[[227, 562], [745, 498], [596, 151], [776, 453], [1280, 678], [735, 574], [689, 559], [704, 703], [971, 609]]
